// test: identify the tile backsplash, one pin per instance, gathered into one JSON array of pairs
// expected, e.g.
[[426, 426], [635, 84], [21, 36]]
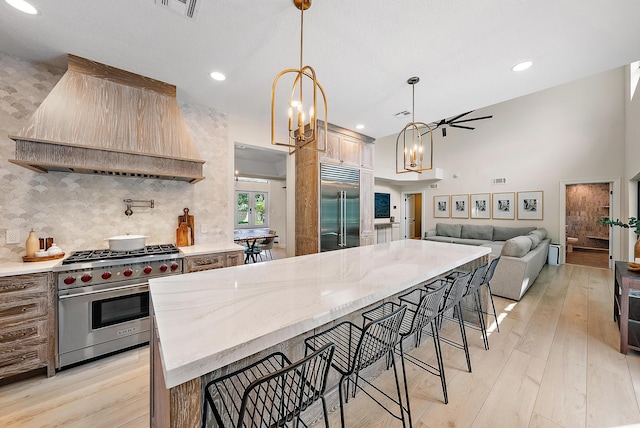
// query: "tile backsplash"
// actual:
[[80, 211]]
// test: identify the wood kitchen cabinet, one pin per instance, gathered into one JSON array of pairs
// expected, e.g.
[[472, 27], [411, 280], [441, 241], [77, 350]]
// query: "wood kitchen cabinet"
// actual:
[[27, 324], [210, 261], [345, 148], [626, 306]]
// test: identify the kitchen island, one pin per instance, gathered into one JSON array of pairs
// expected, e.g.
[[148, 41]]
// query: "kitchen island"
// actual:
[[207, 321]]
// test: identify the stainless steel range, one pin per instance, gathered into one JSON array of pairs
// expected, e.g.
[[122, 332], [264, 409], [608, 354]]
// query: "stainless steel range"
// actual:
[[103, 299]]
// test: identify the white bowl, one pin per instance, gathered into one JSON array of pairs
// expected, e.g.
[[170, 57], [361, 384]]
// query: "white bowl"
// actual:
[[127, 242]]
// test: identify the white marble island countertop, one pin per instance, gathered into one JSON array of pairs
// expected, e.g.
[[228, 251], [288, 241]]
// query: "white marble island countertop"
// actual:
[[209, 319]]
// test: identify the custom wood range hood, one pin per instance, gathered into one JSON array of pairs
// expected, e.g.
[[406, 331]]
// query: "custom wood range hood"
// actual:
[[102, 120]]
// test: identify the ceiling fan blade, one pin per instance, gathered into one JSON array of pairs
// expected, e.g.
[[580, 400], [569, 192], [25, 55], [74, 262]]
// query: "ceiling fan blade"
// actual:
[[460, 126], [475, 118], [454, 118]]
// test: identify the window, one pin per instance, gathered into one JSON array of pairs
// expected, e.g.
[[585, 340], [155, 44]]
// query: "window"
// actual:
[[252, 209]]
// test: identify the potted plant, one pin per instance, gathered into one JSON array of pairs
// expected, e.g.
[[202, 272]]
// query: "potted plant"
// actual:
[[633, 223]]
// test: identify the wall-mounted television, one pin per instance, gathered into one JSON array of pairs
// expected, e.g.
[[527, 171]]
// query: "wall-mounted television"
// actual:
[[382, 205]]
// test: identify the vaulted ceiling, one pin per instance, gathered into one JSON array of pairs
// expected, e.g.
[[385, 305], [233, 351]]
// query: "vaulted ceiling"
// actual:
[[362, 50]]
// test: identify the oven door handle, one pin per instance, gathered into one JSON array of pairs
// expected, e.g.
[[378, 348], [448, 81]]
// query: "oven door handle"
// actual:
[[121, 288]]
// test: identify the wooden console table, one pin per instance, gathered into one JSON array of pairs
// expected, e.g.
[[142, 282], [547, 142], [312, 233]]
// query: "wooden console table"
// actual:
[[623, 282]]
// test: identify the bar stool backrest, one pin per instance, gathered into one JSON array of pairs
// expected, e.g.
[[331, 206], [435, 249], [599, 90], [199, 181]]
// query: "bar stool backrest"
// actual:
[[491, 270], [277, 397], [378, 339], [427, 310], [477, 279], [456, 291]]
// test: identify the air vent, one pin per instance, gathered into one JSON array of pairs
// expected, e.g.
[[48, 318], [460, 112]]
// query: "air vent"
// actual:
[[432, 186], [402, 114], [501, 180], [186, 8]]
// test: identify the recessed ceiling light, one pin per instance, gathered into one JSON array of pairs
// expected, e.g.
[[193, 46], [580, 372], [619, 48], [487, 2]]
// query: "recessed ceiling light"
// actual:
[[359, 126], [23, 6], [216, 75], [522, 66]]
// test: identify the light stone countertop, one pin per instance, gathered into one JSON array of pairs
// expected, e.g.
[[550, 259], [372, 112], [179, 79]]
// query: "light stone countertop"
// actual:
[[207, 320], [8, 268], [222, 247], [15, 267]]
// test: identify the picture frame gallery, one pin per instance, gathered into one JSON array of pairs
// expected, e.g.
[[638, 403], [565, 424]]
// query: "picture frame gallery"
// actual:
[[498, 206]]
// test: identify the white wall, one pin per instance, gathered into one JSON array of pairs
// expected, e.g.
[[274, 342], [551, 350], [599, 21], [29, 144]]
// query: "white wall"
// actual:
[[571, 132]]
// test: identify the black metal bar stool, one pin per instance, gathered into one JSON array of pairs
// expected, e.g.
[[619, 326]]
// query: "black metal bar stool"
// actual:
[[414, 321], [487, 281], [358, 348], [451, 308], [270, 392]]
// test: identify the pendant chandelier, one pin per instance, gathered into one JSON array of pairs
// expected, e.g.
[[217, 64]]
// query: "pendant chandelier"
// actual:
[[300, 134], [412, 154]]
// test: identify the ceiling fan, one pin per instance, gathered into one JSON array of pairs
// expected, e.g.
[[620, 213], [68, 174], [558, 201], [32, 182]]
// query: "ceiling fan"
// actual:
[[454, 122]]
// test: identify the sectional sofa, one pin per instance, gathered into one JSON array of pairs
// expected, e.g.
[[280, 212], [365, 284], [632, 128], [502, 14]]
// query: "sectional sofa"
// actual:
[[523, 252]]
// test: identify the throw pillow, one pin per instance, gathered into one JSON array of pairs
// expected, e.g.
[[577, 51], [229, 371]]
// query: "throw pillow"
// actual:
[[518, 246], [535, 240], [541, 233], [451, 230]]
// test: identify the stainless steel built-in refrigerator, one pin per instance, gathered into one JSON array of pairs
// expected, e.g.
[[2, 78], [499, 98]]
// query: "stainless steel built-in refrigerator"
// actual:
[[339, 207]]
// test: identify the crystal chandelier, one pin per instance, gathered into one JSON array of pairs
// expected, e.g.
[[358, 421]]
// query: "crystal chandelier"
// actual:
[[413, 155], [301, 134]]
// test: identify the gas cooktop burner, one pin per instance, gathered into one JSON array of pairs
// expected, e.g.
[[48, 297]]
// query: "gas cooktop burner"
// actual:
[[95, 255]]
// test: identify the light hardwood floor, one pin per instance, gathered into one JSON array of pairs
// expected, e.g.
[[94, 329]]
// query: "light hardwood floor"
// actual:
[[554, 363]]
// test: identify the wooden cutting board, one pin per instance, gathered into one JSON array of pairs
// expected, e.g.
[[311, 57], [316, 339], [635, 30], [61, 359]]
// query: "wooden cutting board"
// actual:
[[183, 235], [187, 218]]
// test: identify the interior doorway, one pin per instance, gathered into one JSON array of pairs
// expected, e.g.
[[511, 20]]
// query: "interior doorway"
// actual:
[[587, 242], [413, 216]]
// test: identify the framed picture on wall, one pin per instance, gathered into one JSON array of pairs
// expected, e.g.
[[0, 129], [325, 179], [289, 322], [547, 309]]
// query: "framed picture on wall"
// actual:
[[481, 205], [441, 206], [530, 205], [503, 206], [459, 206]]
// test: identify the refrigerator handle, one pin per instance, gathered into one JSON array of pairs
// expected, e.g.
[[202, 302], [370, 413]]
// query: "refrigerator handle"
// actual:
[[344, 218], [340, 217]]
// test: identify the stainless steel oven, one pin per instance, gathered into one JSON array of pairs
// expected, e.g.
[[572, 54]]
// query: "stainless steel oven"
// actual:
[[103, 307]]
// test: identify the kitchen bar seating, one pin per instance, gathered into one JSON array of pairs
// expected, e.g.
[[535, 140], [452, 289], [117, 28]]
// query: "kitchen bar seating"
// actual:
[[412, 325], [270, 392], [358, 348]]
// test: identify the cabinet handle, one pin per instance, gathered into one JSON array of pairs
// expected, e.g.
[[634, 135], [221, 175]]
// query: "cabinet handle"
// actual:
[[13, 287], [24, 309]]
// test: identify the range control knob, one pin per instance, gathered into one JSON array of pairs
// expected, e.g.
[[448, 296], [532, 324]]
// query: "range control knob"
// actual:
[[163, 268], [69, 280], [86, 277], [128, 272], [148, 270], [174, 266], [106, 275]]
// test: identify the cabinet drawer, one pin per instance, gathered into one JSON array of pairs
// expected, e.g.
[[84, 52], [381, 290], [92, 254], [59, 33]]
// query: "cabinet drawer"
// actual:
[[23, 286], [235, 259], [23, 333], [20, 310], [207, 262], [22, 360]]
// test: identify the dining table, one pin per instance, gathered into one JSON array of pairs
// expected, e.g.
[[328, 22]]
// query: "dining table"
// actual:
[[251, 241]]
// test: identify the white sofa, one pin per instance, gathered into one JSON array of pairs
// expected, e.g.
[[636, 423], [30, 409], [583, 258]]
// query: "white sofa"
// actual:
[[523, 252]]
